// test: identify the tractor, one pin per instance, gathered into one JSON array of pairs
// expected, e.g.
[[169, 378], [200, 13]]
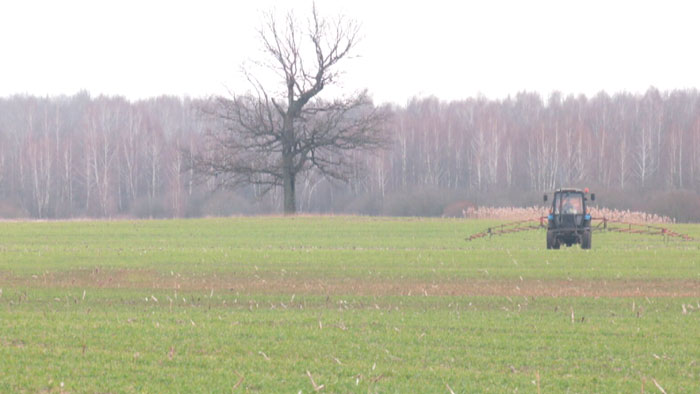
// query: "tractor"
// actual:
[[569, 221]]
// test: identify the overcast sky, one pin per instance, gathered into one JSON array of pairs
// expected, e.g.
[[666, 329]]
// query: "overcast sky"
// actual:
[[450, 49]]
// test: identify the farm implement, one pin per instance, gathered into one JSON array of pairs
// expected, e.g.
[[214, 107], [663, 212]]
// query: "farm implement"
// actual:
[[636, 228], [509, 228], [569, 222], [601, 224]]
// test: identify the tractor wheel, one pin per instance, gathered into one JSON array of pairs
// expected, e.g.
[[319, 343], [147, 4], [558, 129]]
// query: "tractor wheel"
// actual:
[[556, 244], [586, 240], [550, 240]]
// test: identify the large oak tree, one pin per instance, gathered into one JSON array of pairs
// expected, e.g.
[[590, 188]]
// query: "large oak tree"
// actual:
[[276, 132]]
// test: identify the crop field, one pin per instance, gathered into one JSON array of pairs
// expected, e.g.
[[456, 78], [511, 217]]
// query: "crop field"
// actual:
[[342, 304]]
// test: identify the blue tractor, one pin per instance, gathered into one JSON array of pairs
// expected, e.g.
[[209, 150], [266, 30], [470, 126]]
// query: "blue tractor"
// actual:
[[569, 220]]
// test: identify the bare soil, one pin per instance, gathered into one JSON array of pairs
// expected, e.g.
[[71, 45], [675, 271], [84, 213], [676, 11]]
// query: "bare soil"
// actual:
[[147, 279]]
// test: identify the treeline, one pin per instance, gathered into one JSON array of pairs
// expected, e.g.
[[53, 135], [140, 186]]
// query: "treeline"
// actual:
[[83, 156], [80, 156]]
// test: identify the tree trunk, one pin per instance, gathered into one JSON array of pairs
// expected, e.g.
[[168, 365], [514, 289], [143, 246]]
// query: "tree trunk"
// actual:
[[289, 189], [288, 173]]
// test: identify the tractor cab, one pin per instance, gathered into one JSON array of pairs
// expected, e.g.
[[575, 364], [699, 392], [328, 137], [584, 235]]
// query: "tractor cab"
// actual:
[[569, 221]]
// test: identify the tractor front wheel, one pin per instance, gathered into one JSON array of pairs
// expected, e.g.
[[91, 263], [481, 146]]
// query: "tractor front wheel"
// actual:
[[550, 239], [586, 240]]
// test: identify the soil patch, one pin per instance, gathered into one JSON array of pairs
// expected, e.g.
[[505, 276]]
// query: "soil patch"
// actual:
[[148, 279]]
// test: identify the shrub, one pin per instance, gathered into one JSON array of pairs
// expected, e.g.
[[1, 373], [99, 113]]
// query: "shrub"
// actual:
[[12, 210]]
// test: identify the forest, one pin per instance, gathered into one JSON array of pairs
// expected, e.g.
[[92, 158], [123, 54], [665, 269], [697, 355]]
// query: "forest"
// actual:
[[108, 157]]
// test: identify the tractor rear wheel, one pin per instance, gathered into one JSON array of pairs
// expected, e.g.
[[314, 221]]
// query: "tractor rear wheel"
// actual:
[[550, 239]]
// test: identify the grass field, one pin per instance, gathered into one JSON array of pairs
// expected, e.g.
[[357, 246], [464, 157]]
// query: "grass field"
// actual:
[[342, 304]]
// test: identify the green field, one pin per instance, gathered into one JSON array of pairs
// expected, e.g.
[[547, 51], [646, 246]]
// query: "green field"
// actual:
[[342, 304]]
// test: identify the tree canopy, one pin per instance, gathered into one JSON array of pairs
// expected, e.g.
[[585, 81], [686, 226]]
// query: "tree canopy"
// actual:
[[277, 131]]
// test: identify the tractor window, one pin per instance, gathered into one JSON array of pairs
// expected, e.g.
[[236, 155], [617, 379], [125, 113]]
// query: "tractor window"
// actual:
[[572, 204], [557, 203]]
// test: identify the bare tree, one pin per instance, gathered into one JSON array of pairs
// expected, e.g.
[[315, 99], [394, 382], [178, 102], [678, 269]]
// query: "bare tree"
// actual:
[[269, 137]]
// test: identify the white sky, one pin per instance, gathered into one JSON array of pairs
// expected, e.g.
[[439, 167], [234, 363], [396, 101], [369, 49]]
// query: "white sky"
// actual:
[[450, 49]]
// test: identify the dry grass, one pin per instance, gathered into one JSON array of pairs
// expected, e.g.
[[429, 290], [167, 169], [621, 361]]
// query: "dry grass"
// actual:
[[534, 213]]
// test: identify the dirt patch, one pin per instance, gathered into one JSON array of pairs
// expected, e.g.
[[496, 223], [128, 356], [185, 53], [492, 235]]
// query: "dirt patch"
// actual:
[[148, 279]]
